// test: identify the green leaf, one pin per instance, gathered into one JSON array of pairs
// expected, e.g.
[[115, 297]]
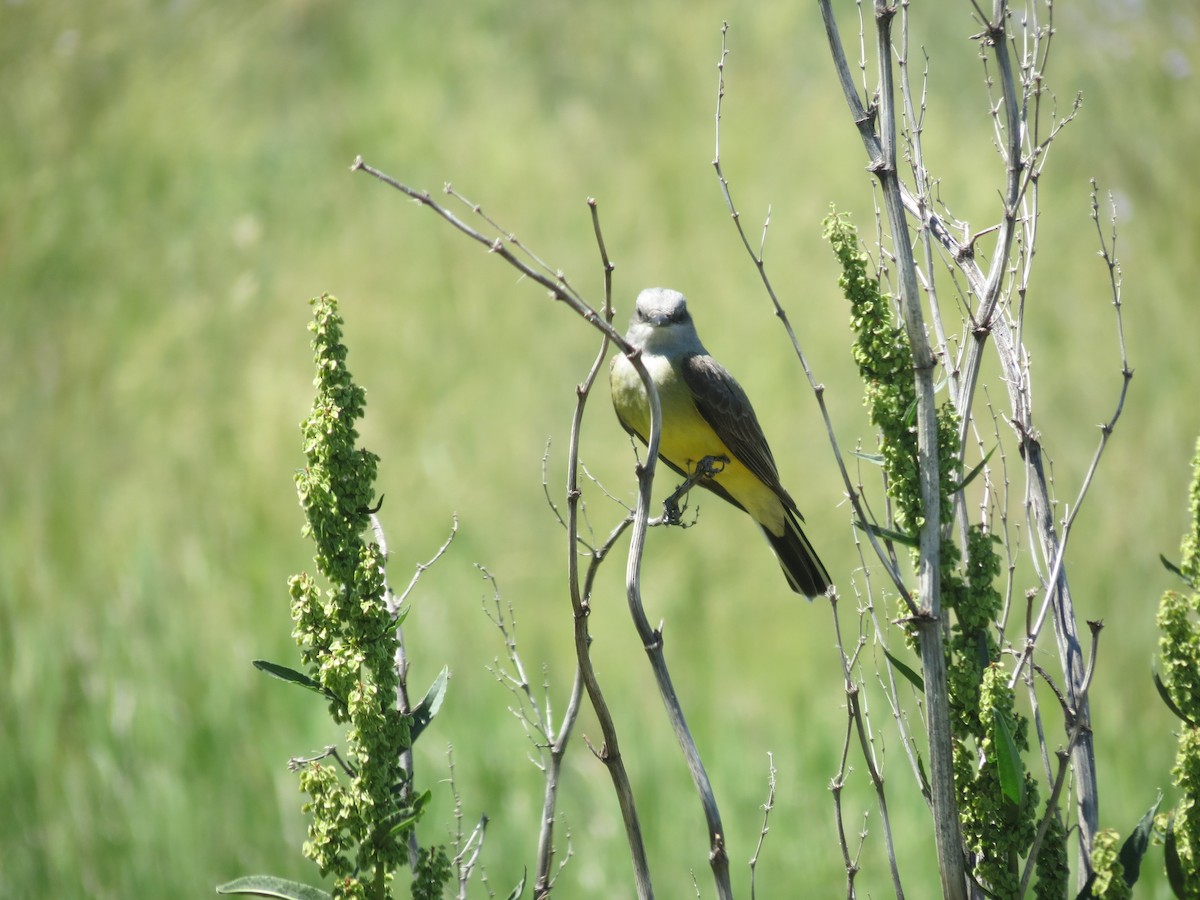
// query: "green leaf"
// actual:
[[520, 888], [982, 651], [954, 489], [873, 458], [1008, 758], [414, 814], [1136, 844], [283, 673], [898, 537], [270, 886], [1175, 570], [428, 708], [917, 681], [1175, 873], [1166, 695], [926, 791]]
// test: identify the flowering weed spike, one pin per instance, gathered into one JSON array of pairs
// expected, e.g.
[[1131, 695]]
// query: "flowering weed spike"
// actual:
[[347, 639], [1179, 647], [997, 829]]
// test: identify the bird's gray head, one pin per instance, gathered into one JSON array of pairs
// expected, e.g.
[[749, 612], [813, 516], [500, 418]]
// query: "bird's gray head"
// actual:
[[661, 320]]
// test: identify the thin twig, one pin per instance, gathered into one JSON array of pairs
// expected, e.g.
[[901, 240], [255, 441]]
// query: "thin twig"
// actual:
[[400, 659], [557, 285], [584, 674], [762, 834], [1023, 150], [818, 389], [467, 858], [580, 595], [560, 289], [1078, 726], [928, 624], [858, 723]]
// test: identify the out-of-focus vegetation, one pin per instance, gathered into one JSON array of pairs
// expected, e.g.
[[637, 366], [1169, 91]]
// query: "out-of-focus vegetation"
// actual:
[[174, 187]]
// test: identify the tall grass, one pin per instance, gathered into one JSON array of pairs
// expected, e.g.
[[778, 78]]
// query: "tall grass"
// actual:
[[173, 188]]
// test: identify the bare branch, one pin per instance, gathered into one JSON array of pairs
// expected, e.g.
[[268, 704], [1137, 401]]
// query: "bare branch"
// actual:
[[1014, 70], [467, 858], [929, 626], [580, 595], [400, 660], [762, 834], [558, 287], [561, 290], [858, 723], [818, 389]]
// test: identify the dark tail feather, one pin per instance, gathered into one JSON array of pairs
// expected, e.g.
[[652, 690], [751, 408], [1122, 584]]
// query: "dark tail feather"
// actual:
[[805, 572]]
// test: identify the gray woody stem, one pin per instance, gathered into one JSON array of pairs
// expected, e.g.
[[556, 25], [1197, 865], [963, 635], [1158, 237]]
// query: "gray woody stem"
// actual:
[[563, 292], [947, 836]]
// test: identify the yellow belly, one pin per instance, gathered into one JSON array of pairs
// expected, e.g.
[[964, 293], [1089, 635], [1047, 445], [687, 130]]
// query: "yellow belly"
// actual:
[[687, 437]]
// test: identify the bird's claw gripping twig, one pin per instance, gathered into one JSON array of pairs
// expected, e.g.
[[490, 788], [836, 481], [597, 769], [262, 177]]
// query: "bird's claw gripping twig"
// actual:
[[706, 469]]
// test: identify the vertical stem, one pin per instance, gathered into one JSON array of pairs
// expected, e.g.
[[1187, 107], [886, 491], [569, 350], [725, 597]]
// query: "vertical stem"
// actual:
[[652, 641], [947, 836], [610, 753], [545, 851]]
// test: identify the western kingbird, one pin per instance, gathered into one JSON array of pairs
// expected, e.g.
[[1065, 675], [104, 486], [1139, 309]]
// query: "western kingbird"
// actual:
[[706, 414]]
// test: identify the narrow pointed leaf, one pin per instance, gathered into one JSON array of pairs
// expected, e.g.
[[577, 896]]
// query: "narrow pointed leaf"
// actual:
[[520, 888], [1008, 758], [1170, 566], [1175, 873], [916, 680], [971, 476], [873, 458], [283, 673], [888, 534], [926, 791], [428, 708], [1166, 696], [270, 886], [411, 819], [1137, 843], [1175, 570]]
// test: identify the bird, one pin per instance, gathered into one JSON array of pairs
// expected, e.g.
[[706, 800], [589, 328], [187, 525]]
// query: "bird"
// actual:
[[706, 415]]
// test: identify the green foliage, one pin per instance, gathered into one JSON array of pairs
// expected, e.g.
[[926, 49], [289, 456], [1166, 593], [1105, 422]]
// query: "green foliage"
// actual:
[[431, 874], [885, 363], [972, 646], [174, 179], [343, 631], [1109, 880], [348, 638], [1053, 870], [1179, 648], [270, 886], [1190, 550], [997, 797]]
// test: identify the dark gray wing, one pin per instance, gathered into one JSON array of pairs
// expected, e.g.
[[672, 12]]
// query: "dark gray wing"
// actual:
[[725, 406]]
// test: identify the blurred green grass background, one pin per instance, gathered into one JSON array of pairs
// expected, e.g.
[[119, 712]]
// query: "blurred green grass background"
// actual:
[[174, 187]]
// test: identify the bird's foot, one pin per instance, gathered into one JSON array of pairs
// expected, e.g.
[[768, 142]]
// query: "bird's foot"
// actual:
[[709, 467], [706, 469]]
